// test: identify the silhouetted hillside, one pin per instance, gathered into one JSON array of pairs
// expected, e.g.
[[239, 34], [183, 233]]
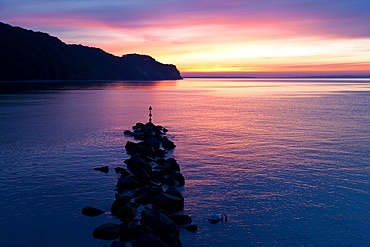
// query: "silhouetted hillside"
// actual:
[[29, 55]]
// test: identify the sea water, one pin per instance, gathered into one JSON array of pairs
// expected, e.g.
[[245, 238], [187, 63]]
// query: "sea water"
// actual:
[[287, 160]]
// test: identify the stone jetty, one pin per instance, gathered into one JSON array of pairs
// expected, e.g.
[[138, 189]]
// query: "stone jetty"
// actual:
[[147, 200]]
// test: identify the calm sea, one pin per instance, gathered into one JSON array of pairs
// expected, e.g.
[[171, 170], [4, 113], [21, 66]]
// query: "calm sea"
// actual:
[[288, 160]]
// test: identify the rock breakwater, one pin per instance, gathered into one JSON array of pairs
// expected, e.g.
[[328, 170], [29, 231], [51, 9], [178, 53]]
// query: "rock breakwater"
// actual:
[[148, 202]]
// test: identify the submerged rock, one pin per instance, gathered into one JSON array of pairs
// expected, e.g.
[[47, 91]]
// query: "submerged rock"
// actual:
[[192, 228], [104, 169], [91, 211]]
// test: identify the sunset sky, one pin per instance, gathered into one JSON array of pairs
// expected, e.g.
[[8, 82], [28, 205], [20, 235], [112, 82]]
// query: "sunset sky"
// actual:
[[213, 37]]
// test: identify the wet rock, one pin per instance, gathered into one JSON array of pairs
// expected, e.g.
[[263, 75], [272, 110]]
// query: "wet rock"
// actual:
[[152, 143], [117, 244], [127, 182], [138, 126], [107, 231], [171, 165], [159, 222], [146, 241], [141, 176], [170, 181], [122, 208], [127, 132], [173, 191], [130, 231], [119, 169], [136, 162], [192, 228], [104, 169], [168, 202], [173, 240], [179, 178], [130, 145], [91, 211], [167, 144], [143, 199], [181, 220], [118, 204]]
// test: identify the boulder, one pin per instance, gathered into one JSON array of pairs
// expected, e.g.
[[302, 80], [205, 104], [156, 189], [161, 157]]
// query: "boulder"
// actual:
[[192, 228], [130, 145], [104, 169], [181, 220], [159, 222], [127, 182], [178, 177], [130, 231], [149, 241], [174, 192], [91, 211], [138, 126], [127, 132], [167, 144], [168, 202], [109, 231], [117, 244], [123, 209]]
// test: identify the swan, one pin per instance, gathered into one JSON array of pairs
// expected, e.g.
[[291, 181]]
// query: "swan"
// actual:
[[214, 218]]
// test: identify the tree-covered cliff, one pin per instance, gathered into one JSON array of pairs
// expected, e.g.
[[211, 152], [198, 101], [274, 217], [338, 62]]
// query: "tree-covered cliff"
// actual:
[[29, 55]]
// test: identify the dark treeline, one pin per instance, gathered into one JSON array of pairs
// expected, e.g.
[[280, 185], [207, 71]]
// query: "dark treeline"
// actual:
[[29, 55]]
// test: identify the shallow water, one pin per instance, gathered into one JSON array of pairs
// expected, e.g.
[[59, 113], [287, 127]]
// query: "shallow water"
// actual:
[[286, 159]]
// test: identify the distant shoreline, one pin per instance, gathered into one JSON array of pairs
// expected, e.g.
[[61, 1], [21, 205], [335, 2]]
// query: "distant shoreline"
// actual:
[[281, 77]]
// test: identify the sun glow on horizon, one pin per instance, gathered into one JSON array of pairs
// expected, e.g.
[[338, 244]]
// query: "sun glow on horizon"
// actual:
[[240, 36]]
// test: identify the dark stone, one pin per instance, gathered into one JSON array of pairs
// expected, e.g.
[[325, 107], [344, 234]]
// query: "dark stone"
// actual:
[[118, 204], [149, 241], [172, 165], [138, 126], [127, 132], [122, 208], [179, 178], [172, 240], [159, 222], [107, 231], [119, 169], [181, 220], [168, 202], [141, 176], [170, 181], [152, 143], [192, 228], [130, 232], [127, 182], [130, 145], [117, 244], [167, 144], [91, 211], [143, 199], [104, 169], [174, 192], [136, 162]]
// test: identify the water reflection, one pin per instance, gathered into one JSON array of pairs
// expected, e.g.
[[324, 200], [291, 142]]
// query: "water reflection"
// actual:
[[287, 161], [19, 87]]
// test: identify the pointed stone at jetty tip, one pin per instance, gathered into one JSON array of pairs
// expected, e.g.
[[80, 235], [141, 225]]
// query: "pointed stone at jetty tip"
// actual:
[[150, 114]]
